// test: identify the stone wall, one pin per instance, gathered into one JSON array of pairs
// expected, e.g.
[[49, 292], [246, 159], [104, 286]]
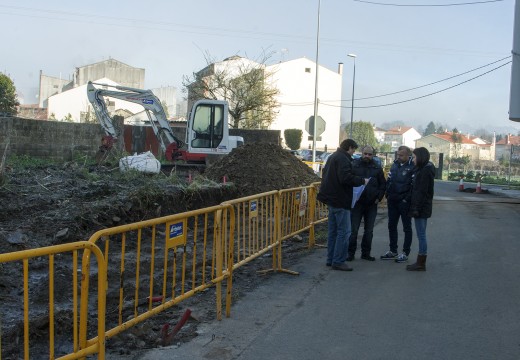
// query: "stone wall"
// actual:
[[63, 141], [51, 140]]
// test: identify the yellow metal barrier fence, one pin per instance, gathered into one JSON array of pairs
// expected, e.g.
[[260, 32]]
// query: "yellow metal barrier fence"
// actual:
[[62, 276], [166, 260], [161, 262], [256, 227]]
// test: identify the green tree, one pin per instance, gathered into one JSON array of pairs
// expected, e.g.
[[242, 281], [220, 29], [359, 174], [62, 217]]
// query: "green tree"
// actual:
[[385, 148], [8, 99], [293, 138], [440, 130], [463, 160], [246, 85], [456, 137], [430, 129], [68, 118], [362, 133]]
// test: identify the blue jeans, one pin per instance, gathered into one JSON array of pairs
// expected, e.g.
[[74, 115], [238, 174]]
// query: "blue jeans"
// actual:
[[420, 229], [368, 212], [338, 234], [396, 210]]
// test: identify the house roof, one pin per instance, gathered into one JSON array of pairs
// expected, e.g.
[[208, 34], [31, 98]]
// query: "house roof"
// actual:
[[448, 136], [400, 130], [515, 140], [106, 61]]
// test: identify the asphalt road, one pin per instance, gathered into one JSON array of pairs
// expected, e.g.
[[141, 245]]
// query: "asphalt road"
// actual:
[[465, 306]]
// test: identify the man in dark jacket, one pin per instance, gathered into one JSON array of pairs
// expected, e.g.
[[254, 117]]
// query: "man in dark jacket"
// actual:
[[366, 207], [336, 192], [398, 186]]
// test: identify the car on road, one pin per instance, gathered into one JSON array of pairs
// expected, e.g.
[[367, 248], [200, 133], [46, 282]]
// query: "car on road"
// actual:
[[306, 154]]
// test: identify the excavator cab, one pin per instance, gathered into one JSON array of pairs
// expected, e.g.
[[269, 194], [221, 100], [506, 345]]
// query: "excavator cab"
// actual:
[[208, 131]]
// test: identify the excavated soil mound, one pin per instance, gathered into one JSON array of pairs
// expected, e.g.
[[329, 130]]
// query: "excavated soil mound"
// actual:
[[259, 167]]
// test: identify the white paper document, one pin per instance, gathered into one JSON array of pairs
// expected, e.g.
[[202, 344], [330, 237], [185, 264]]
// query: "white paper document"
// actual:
[[356, 194]]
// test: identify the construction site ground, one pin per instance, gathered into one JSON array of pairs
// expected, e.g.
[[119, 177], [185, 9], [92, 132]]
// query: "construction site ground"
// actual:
[[44, 205]]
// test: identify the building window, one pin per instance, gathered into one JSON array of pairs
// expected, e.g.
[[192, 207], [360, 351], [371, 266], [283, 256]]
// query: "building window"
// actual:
[[307, 70]]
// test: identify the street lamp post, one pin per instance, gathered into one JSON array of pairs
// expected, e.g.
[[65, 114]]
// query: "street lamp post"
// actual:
[[353, 87]]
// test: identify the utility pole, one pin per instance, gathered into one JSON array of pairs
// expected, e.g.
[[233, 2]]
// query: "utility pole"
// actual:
[[316, 88], [514, 99]]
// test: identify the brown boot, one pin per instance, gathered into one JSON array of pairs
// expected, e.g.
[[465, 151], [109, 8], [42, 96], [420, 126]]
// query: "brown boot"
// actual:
[[420, 264]]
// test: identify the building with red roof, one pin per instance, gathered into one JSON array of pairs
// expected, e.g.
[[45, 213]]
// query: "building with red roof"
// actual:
[[456, 145]]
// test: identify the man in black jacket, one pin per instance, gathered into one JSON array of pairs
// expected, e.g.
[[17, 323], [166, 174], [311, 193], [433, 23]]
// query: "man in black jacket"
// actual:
[[336, 192], [398, 186], [366, 207]]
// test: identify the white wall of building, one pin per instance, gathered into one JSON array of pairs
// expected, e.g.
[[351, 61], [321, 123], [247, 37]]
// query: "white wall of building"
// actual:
[[410, 137], [295, 80], [75, 101]]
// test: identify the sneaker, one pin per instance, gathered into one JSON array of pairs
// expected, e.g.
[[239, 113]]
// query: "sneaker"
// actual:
[[388, 256], [368, 257], [401, 258], [350, 257]]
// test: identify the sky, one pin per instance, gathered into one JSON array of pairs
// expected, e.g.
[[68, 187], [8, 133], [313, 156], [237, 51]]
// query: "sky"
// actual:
[[398, 47]]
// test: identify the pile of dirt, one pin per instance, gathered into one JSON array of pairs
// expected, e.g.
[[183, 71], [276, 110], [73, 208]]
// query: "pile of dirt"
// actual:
[[260, 167]]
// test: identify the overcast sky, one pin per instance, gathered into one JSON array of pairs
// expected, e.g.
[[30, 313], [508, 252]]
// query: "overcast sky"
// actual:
[[397, 47]]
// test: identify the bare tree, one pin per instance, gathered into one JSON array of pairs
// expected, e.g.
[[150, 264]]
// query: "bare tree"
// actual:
[[246, 85]]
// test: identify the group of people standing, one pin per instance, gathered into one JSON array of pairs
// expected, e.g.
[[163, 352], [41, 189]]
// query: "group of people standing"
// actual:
[[409, 193]]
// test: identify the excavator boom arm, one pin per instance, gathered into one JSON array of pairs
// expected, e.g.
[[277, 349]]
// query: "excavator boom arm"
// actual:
[[145, 98]]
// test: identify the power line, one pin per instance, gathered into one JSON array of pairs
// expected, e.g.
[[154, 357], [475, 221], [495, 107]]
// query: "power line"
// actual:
[[432, 83], [428, 5], [419, 97]]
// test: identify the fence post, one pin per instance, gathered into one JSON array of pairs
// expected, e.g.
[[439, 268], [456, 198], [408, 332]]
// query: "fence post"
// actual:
[[312, 206]]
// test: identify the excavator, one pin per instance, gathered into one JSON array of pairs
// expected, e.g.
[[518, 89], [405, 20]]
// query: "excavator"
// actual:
[[207, 131]]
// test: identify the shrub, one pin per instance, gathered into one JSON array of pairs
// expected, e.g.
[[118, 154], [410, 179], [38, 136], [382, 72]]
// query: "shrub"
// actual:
[[293, 138]]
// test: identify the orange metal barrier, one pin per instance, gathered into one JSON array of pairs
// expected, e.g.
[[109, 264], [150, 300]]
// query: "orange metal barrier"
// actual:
[[62, 262], [162, 262]]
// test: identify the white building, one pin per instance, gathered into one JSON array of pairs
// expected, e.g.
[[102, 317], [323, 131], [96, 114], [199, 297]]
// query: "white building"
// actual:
[[296, 81], [401, 135], [113, 69], [379, 134], [503, 146], [75, 102]]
